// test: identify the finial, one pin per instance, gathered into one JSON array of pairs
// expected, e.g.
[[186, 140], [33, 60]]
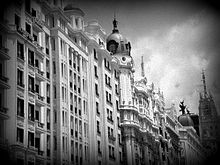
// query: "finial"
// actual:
[[142, 66], [115, 24], [204, 83]]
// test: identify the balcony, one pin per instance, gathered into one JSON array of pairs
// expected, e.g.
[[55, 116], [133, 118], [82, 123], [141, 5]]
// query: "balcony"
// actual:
[[40, 99], [3, 112], [40, 153], [4, 82], [4, 53], [110, 120], [31, 90], [39, 126], [39, 49], [111, 139], [39, 74], [21, 85], [37, 24]]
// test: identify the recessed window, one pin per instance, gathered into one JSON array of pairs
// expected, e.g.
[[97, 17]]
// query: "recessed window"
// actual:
[[20, 107], [20, 135]]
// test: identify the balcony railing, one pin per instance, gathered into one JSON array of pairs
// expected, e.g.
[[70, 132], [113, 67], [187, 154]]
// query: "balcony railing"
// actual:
[[3, 109], [3, 78], [39, 124], [39, 97], [39, 71], [31, 90], [111, 137], [41, 153], [21, 85], [110, 119]]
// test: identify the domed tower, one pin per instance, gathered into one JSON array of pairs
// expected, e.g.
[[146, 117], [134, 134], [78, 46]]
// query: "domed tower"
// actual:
[[120, 50]]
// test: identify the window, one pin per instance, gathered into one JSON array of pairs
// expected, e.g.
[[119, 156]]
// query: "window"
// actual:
[[95, 54], [30, 139], [20, 107], [116, 89], [48, 93], [98, 128], [107, 81], [47, 43], [48, 145], [31, 84], [97, 108], [48, 68], [30, 57], [99, 147], [108, 97], [20, 135], [17, 21], [20, 50], [20, 78], [96, 90], [28, 28], [48, 119], [96, 71], [116, 75], [31, 112], [28, 6], [53, 43]]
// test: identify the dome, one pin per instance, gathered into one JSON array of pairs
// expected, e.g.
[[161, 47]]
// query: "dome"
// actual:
[[72, 7], [185, 120], [116, 43]]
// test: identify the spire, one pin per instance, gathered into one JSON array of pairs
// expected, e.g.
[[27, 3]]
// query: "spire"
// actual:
[[204, 83], [115, 25], [142, 66]]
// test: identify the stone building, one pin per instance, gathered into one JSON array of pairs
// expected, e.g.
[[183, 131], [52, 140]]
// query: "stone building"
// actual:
[[68, 94]]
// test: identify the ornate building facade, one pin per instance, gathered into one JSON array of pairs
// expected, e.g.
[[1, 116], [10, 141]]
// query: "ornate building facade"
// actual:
[[68, 94]]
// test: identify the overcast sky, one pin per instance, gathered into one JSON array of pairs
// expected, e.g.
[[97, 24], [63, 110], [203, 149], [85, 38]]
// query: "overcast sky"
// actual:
[[177, 39]]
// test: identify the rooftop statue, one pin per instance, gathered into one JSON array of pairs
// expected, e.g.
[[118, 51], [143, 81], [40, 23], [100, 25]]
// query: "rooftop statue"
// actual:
[[182, 107]]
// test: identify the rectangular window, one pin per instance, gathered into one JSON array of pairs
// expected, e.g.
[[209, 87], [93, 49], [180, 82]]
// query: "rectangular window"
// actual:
[[99, 147], [97, 108], [98, 128], [48, 68], [31, 84], [96, 71], [20, 78], [31, 112], [20, 50], [20, 107], [28, 6], [48, 93], [30, 139], [95, 54], [47, 43], [20, 135], [17, 21], [30, 57], [96, 90], [48, 119], [53, 43], [28, 28]]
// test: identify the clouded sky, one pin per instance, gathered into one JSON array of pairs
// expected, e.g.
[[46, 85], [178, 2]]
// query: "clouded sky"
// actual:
[[177, 39]]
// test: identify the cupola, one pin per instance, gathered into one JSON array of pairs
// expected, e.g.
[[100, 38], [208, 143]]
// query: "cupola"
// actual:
[[76, 16], [116, 43]]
